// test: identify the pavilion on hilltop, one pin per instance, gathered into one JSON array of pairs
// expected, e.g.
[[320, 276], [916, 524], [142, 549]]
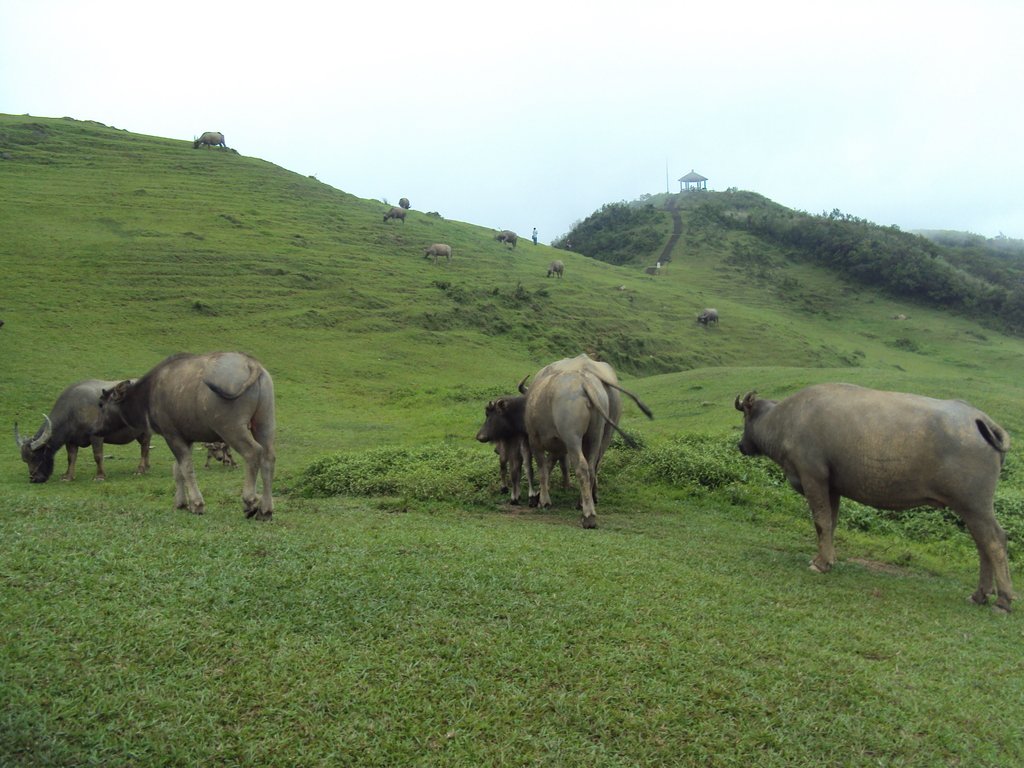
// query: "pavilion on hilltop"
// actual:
[[693, 182]]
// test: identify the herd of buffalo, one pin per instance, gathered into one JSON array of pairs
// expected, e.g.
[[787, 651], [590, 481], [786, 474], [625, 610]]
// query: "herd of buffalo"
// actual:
[[889, 450], [886, 449]]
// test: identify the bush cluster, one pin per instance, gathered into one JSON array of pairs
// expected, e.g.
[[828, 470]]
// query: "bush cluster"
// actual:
[[445, 472], [431, 473]]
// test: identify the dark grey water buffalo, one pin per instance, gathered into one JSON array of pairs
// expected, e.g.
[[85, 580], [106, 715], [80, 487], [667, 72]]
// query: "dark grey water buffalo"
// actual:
[[572, 408], [438, 249], [74, 422], [219, 452], [708, 316], [395, 213], [404, 203], [508, 237], [220, 397], [209, 139], [889, 450], [505, 426], [556, 268]]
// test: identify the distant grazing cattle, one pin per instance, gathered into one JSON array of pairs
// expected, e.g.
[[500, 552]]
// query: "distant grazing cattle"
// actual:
[[655, 270], [219, 452], [221, 397], [900, 316], [438, 249], [556, 268], [210, 139], [508, 237], [404, 203], [888, 450], [395, 213], [708, 316], [74, 422], [572, 408]]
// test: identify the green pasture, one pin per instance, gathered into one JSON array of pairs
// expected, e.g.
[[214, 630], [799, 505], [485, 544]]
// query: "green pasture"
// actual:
[[396, 611]]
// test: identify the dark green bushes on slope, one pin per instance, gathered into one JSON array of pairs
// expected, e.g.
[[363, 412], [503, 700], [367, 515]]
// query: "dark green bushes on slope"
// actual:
[[618, 234]]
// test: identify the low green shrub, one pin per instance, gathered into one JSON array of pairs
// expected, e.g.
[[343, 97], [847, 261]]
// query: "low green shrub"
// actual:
[[434, 472]]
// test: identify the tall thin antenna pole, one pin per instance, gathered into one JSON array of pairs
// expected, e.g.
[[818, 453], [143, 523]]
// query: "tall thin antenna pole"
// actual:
[[667, 190]]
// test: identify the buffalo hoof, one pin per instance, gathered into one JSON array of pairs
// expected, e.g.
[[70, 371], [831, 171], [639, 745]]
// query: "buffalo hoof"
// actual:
[[504, 490], [589, 522], [200, 510], [257, 515], [514, 502], [535, 501], [816, 567]]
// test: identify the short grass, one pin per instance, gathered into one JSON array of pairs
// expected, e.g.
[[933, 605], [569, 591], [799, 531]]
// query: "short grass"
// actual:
[[417, 627]]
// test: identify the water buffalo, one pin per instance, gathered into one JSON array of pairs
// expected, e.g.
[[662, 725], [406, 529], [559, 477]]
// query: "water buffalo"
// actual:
[[220, 397], [404, 203], [889, 450], [572, 408], [556, 267], [438, 249], [219, 452], [74, 422], [708, 316], [395, 213], [504, 425], [210, 139], [508, 237]]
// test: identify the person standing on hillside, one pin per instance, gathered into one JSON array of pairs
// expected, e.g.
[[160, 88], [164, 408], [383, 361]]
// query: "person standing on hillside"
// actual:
[[534, 235]]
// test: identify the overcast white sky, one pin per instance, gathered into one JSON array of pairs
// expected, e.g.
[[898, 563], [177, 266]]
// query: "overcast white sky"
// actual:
[[522, 114]]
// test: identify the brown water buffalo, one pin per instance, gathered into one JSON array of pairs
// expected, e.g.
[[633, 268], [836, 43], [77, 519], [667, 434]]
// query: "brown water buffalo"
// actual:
[[556, 268], [395, 213], [508, 237], [209, 139], [708, 316], [438, 249], [404, 203], [572, 408], [74, 422], [220, 397], [888, 450]]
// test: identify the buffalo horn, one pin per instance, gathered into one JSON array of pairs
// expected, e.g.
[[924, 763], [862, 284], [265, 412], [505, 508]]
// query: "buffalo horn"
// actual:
[[522, 385], [748, 400], [17, 435], [40, 441]]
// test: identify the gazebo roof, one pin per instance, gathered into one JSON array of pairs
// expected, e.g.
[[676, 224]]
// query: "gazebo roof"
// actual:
[[693, 176]]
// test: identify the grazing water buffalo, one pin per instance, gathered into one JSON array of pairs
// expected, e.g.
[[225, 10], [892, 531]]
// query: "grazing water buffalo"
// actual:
[[572, 408], [395, 213], [210, 139], [708, 316], [556, 267], [508, 237], [404, 203], [438, 249], [220, 397], [889, 450], [74, 422]]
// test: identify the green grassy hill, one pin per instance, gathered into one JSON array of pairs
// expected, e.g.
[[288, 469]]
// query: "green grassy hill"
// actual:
[[427, 629]]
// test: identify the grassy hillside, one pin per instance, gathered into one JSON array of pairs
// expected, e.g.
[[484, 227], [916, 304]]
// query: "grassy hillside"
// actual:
[[427, 623]]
